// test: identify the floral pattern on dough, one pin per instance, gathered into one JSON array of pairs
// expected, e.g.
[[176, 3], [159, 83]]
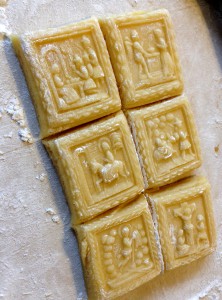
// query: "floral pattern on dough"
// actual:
[[125, 251]]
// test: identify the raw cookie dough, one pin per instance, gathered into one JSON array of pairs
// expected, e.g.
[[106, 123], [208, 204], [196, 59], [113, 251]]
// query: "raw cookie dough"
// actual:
[[185, 221], [69, 74], [119, 250], [166, 139], [98, 166], [144, 58]]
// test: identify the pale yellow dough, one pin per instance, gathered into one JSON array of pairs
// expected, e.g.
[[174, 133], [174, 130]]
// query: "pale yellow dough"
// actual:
[[185, 221], [72, 83], [166, 139], [144, 58], [69, 75], [98, 166], [119, 250]]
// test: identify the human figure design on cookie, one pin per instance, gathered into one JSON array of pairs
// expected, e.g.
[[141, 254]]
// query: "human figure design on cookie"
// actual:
[[111, 169], [182, 247], [165, 57], [89, 86], [202, 238], [139, 54], [91, 60], [184, 145], [185, 212], [66, 94]]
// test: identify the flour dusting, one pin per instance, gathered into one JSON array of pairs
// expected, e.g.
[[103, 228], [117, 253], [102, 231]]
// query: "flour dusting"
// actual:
[[25, 135], [1, 112], [55, 218], [212, 292], [133, 3], [3, 19], [50, 211], [16, 112], [41, 177], [8, 135], [1, 155], [34, 244]]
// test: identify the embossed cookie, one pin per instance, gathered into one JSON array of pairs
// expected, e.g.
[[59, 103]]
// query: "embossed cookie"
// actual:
[[69, 75], [142, 50], [98, 166], [166, 139], [118, 250], [185, 221]]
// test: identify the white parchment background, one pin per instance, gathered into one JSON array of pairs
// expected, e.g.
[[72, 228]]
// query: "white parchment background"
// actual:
[[39, 256]]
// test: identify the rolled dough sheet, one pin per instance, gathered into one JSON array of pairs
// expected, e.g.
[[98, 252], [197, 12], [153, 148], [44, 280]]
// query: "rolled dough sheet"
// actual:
[[39, 254]]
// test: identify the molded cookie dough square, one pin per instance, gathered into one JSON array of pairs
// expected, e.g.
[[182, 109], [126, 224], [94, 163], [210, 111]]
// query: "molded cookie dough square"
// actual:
[[166, 139], [142, 50], [98, 166], [119, 250], [185, 221], [69, 75]]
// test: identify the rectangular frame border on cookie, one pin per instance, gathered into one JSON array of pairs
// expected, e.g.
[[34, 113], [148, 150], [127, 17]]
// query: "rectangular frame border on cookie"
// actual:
[[97, 265], [65, 151], [131, 98], [52, 119], [139, 117], [186, 191]]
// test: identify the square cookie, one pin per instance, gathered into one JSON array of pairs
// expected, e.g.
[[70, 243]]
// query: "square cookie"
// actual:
[[98, 166], [69, 75], [185, 221], [166, 139], [119, 250], [144, 58]]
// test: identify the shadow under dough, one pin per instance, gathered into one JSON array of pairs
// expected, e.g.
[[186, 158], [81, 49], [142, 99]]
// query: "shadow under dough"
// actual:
[[21, 85], [69, 240], [70, 243], [212, 12]]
